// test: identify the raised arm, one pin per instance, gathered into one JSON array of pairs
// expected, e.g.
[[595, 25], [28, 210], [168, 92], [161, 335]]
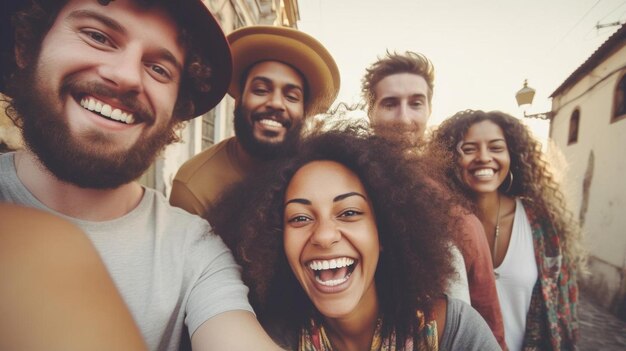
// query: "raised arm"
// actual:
[[56, 293], [234, 330]]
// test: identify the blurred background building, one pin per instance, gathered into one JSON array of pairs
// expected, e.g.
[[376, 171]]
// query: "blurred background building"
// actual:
[[588, 124]]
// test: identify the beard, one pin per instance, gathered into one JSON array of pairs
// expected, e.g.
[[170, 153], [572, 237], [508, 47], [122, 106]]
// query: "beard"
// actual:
[[407, 134], [264, 150], [86, 160]]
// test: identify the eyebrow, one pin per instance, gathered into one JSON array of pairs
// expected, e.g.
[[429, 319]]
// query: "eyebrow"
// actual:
[[117, 27], [107, 21], [271, 82], [335, 199], [396, 97], [346, 195], [476, 142], [389, 98]]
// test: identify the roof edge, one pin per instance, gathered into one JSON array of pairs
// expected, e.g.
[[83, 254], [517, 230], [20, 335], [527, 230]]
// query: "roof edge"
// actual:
[[605, 50]]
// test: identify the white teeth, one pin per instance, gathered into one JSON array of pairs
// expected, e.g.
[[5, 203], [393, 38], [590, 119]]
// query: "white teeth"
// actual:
[[333, 282], [116, 114], [107, 111], [270, 123], [319, 265], [484, 172], [334, 263]]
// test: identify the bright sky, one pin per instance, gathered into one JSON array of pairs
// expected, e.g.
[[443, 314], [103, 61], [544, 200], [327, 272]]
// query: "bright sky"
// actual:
[[482, 49]]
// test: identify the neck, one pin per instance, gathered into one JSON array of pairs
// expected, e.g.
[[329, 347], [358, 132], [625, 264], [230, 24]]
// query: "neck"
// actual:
[[72, 200], [354, 332], [487, 205], [246, 161]]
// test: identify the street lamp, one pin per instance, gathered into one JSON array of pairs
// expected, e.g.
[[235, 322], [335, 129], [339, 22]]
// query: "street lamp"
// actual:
[[525, 97]]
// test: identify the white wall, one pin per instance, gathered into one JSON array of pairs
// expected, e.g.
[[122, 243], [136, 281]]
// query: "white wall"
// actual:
[[605, 220]]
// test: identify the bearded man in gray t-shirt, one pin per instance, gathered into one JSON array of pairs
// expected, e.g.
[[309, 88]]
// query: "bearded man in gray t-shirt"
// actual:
[[98, 88]]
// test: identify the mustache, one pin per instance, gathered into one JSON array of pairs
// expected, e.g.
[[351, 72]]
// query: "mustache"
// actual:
[[273, 115], [128, 100]]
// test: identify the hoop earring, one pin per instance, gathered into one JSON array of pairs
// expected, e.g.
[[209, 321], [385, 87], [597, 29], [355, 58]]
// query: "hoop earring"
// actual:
[[508, 188]]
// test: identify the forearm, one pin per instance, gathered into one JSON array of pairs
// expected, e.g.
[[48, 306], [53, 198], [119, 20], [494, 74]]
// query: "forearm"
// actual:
[[234, 330]]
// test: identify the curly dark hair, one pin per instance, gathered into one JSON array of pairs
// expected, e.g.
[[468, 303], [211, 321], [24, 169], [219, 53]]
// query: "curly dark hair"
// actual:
[[532, 177], [32, 24], [395, 63], [413, 221]]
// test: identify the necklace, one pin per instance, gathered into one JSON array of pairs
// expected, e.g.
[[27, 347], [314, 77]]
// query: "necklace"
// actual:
[[495, 238]]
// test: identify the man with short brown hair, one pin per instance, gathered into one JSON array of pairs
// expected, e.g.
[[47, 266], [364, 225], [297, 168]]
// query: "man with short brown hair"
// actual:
[[398, 91], [399, 88]]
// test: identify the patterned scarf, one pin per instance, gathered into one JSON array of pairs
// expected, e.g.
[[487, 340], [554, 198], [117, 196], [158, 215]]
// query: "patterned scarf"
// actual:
[[314, 338]]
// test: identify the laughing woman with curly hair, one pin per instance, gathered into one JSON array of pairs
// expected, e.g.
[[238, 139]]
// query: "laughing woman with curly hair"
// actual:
[[345, 247], [534, 241]]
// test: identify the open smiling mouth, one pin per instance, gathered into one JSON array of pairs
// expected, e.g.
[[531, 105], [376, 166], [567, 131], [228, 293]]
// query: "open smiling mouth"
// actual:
[[483, 173], [106, 111], [270, 123], [333, 272]]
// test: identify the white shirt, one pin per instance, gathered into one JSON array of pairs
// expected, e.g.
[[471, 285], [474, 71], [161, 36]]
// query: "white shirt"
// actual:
[[458, 287], [516, 278]]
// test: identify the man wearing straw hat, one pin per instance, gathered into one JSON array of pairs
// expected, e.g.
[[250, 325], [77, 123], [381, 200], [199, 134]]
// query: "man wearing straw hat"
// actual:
[[280, 77], [98, 87]]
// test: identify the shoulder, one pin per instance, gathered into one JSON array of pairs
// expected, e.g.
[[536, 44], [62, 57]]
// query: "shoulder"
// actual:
[[529, 207], [202, 163], [189, 236], [473, 241], [473, 229], [7, 166], [458, 311], [173, 219], [465, 329]]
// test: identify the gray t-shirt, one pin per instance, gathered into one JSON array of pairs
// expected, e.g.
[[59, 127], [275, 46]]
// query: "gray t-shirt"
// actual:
[[466, 330], [167, 264]]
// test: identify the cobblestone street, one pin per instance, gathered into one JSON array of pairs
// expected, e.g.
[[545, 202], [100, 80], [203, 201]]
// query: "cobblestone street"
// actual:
[[600, 330]]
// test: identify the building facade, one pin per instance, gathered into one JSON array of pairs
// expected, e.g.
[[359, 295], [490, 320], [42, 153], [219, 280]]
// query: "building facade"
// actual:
[[588, 124]]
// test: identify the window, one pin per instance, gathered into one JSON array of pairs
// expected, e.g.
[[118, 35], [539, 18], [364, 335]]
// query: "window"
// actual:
[[239, 19], [619, 100], [208, 129], [574, 122]]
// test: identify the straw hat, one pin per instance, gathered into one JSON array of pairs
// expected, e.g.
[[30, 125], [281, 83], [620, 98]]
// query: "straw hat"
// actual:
[[297, 49], [207, 37]]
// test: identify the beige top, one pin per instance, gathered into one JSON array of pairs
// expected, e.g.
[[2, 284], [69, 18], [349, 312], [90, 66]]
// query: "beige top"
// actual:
[[201, 179]]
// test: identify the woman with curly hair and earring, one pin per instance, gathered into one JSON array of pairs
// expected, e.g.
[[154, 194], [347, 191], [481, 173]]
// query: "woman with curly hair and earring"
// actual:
[[345, 247], [534, 241]]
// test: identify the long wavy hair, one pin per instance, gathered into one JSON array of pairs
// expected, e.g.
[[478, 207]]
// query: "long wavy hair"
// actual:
[[412, 217], [532, 178]]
